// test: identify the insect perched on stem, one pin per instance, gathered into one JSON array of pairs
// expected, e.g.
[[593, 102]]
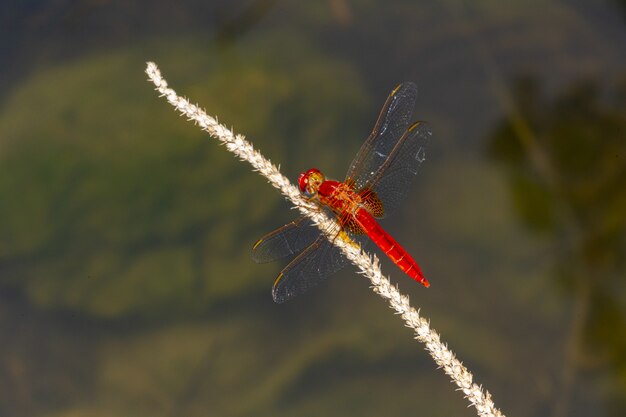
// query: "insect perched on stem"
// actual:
[[376, 184]]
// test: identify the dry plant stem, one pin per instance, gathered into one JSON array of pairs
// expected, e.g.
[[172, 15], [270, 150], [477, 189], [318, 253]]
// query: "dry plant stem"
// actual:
[[368, 265]]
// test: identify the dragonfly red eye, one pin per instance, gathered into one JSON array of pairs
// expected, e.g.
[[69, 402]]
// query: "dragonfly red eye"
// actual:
[[303, 179]]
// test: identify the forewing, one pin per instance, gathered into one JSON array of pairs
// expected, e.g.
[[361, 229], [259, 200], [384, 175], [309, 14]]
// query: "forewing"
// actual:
[[287, 240], [392, 180], [392, 123]]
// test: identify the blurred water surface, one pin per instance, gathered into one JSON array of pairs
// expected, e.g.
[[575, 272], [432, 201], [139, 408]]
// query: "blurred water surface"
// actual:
[[126, 286]]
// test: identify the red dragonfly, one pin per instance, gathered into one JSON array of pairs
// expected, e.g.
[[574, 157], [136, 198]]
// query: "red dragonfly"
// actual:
[[376, 183]]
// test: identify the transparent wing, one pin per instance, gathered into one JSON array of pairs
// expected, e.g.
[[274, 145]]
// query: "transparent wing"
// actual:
[[287, 240], [316, 259], [308, 269], [316, 263], [393, 178], [392, 123]]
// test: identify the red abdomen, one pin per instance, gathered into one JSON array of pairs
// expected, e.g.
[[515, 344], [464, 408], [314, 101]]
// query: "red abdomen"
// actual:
[[388, 244]]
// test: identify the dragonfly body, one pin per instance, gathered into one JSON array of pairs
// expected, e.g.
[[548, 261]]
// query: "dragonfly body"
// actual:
[[376, 183], [353, 211], [388, 244]]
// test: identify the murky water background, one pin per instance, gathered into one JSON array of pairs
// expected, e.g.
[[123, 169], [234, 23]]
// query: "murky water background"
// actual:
[[126, 286]]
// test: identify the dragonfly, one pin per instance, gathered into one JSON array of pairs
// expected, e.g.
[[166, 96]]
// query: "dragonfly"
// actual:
[[376, 184]]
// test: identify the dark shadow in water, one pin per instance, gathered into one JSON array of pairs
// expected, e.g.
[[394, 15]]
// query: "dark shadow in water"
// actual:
[[622, 5], [46, 359], [233, 28], [41, 33], [565, 160]]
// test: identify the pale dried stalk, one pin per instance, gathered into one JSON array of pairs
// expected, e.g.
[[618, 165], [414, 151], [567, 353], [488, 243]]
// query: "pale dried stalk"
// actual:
[[368, 265]]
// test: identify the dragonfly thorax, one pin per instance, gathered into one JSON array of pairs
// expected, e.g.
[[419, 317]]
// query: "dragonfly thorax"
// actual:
[[337, 196]]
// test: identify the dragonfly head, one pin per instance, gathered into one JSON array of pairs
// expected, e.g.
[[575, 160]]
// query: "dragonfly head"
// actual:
[[310, 181]]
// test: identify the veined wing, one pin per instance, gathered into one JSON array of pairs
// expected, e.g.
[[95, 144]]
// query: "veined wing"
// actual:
[[392, 123], [313, 265], [393, 178], [287, 240], [309, 268], [316, 259]]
